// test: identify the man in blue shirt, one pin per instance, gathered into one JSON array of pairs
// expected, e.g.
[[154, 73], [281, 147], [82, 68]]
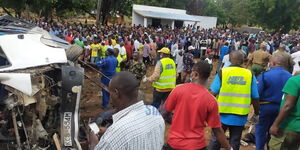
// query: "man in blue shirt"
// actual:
[[108, 67], [270, 85], [235, 123], [223, 51]]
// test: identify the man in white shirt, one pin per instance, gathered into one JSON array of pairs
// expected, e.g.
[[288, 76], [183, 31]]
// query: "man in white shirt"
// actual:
[[296, 59], [174, 49], [136, 126], [136, 44]]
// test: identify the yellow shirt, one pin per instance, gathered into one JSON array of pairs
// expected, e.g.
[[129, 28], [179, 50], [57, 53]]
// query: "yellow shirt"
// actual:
[[113, 42], [95, 48]]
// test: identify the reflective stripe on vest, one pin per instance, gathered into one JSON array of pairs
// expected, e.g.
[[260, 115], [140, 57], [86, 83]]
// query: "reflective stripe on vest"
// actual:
[[167, 79], [235, 92]]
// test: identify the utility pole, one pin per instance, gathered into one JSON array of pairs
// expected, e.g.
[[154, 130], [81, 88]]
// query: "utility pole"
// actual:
[[98, 15]]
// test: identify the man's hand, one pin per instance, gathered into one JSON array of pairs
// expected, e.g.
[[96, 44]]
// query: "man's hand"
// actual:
[[145, 79], [102, 131], [296, 73], [254, 119], [93, 140], [274, 130]]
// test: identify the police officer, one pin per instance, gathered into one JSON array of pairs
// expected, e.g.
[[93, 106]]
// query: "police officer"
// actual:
[[163, 77], [237, 89], [108, 67], [270, 85]]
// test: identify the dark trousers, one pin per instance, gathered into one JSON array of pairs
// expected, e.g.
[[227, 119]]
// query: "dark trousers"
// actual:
[[235, 133], [268, 113], [105, 94], [168, 147], [159, 97]]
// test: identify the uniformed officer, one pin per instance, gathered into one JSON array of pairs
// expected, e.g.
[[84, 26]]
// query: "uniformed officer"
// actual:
[[270, 85], [163, 77], [108, 67], [237, 89]]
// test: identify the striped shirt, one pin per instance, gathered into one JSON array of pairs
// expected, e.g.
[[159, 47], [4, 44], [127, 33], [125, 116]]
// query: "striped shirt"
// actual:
[[137, 127]]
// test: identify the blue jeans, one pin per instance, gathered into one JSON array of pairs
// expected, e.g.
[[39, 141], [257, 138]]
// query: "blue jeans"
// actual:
[[94, 59], [268, 113], [105, 94]]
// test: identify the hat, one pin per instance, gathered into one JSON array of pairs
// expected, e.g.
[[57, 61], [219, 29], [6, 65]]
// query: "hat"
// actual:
[[164, 50], [191, 48]]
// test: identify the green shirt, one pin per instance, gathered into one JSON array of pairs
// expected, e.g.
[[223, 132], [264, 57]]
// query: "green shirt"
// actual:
[[292, 87], [79, 43]]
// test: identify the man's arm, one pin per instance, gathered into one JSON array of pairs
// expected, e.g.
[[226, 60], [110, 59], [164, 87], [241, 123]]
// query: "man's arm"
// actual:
[[219, 133], [254, 96], [255, 104], [215, 86], [284, 112], [213, 121], [156, 74]]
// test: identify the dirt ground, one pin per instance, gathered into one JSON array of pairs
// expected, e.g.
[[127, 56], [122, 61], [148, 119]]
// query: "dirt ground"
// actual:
[[90, 105]]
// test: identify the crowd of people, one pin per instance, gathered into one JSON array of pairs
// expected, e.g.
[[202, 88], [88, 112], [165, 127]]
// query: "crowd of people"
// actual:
[[258, 69]]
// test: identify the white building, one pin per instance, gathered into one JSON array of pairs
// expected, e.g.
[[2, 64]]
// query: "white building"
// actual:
[[156, 16]]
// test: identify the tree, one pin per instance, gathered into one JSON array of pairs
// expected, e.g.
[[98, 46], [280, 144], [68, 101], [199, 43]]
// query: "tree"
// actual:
[[278, 15]]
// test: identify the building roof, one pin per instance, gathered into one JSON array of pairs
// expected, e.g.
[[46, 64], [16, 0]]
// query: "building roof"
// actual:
[[162, 15]]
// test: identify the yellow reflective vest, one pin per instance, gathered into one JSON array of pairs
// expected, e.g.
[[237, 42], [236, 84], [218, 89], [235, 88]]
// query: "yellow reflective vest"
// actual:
[[167, 79], [235, 92], [119, 58]]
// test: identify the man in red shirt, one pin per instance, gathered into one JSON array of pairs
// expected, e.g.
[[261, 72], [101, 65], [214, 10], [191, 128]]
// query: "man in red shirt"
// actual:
[[194, 108]]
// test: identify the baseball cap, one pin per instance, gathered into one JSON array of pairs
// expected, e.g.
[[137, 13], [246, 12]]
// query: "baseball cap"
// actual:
[[164, 50]]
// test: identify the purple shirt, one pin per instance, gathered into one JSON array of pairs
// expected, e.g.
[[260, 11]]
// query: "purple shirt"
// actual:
[[146, 50]]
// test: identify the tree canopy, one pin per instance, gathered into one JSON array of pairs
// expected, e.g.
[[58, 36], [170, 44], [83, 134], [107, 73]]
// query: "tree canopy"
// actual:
[[276, 15]]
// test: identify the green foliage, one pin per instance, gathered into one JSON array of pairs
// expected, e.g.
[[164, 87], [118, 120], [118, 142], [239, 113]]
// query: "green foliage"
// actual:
[[277, 15]]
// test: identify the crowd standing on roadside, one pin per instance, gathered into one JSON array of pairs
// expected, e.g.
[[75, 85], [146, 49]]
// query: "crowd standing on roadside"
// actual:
[[252, 68]]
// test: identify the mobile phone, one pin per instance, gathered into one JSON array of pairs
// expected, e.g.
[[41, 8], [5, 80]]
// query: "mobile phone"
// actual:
[[94, 127]]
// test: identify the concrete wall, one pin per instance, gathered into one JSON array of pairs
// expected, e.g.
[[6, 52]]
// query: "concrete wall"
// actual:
[[158, 9], [203, 22], [137, 19]]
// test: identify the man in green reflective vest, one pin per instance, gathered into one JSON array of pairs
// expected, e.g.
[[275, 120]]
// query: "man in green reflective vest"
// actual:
[[163, 78], [237, 89]]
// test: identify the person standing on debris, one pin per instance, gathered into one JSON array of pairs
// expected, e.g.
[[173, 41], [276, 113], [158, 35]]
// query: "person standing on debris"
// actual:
[[285, 130], [237, 89], [270, 84], [193, 108], [136, 126], [137, 67], [108, 67], [163, 77], [259, 60]]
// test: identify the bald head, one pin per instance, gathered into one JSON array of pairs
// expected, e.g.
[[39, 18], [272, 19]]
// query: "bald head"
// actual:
[[126, 84], [278, 60], [236, 57]]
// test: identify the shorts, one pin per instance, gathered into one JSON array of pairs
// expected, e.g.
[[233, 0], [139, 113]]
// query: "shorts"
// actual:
[[286, 140]]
